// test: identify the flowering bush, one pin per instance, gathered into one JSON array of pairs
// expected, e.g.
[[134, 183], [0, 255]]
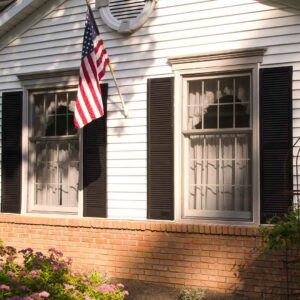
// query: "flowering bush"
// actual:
[[42, 276]]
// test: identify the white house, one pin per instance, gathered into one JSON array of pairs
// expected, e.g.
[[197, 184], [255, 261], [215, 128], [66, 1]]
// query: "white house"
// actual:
[[213, 93]]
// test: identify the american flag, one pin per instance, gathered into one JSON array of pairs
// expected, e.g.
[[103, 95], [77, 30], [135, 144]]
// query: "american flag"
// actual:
[[93, 64]]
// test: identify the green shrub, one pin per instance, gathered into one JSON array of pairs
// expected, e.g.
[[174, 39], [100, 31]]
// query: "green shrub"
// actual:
[[191, 294], [284, 232], [49, 276]]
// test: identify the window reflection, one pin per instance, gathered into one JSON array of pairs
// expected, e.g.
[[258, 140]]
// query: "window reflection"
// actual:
[[219, 103]]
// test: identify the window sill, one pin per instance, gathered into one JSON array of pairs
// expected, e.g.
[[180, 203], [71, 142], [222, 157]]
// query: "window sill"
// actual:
[[148, 225]]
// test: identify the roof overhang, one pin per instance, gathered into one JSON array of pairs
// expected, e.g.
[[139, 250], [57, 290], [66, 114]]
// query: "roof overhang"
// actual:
[[17, 12], [22, 15], [291, 3]]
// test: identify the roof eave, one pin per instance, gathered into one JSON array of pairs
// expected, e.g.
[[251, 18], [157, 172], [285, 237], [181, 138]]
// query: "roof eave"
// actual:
[[290, 3], [16, 12]]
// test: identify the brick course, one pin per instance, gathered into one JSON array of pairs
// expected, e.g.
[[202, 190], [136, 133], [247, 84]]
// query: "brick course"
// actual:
[[222, 258]]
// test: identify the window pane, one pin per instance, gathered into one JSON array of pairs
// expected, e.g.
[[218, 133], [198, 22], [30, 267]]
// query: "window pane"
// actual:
[[222, 102], [39, 115], [61, 125], [226, 115], [52, 195], [71, 126], [50, 103], [62, 103], [219, 172], [56, 162], [50, 126]]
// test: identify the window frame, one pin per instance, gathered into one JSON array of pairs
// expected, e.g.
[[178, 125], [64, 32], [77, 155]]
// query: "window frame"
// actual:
[[215, 63], [52, 80], [31, 207], [186, 134]]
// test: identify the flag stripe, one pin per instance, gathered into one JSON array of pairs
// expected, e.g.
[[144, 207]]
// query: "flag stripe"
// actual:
[[94, 60], [89, 88], [97, 96]]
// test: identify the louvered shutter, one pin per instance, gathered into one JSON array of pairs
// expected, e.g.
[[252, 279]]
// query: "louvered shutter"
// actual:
[[94, 164], [276, 140], [160, 149], [11, 161]]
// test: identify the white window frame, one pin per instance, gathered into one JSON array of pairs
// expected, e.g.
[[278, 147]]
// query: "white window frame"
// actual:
[[201, 65], [52, 80], [32, 158], [206, 214]]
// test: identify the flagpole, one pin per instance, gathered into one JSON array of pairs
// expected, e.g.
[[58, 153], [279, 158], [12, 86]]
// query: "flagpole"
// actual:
[[118, 89], [115, 80]]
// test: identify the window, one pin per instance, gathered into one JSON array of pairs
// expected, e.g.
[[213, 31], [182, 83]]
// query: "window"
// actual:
[[217, 147], [54, 152]]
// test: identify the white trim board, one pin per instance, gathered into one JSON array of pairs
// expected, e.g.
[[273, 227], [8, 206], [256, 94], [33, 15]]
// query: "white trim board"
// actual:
[[18, 21]]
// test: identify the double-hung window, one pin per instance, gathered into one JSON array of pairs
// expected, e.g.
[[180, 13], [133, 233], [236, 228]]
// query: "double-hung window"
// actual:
[[217, 146], [53, 152]]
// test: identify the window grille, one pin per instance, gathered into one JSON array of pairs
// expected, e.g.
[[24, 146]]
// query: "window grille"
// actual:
[[218, 137]]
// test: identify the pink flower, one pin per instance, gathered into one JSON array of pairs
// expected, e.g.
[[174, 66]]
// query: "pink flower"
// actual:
[[10, 273], [69, 287], [103, 288], [56, 252], [10, 259], [4, 287], [24, 288], [55, 267], [44, 294], [120, 285], [23, 251], [34, 274], [125, 293]]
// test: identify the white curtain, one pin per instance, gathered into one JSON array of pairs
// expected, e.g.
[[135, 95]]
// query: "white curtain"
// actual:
[[219, 172], [219, 164], [56, 163]]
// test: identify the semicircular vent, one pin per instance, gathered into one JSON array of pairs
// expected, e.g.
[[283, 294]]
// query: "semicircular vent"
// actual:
[[126, 9], [125, 16]]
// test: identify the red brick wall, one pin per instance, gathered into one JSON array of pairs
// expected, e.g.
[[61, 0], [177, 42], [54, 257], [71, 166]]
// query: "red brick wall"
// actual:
[[218, 257]]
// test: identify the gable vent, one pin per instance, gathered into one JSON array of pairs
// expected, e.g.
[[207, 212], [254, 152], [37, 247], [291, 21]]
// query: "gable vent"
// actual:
[[126, 9], [125, 16]]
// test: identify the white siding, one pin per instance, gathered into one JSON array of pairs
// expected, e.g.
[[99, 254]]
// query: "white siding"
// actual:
[[176, 27]]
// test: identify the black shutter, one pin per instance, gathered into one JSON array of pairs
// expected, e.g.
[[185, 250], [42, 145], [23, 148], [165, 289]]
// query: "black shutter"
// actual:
[[11, 162], [276, 141], [160, 146], [94, 164]]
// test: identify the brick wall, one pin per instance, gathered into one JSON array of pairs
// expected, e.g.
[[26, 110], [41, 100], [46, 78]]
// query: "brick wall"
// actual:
[[217, 257]]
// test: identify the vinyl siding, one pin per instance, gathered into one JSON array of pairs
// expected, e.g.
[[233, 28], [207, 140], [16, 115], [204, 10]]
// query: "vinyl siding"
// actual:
[[179, 27]]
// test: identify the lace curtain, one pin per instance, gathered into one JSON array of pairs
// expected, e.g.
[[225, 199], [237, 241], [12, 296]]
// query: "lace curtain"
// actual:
[[219, 163], [56, 162]]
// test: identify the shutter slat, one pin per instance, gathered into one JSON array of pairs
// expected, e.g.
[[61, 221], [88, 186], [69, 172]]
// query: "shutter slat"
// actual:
[[126, 9], [11, 160], [94, 164], [160, 149], [276, 140]]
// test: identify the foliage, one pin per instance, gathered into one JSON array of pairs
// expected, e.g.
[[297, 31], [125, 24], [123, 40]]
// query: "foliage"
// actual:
[[49, 276], [191, 294], [284, 236], [285, 232]]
